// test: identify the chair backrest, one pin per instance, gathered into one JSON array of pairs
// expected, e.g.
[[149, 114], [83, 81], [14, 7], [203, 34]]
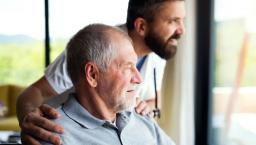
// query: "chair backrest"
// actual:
[[14, 92], [8, 97]]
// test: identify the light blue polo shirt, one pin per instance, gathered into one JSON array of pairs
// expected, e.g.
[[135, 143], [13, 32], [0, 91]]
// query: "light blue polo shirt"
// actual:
[[81, 128]]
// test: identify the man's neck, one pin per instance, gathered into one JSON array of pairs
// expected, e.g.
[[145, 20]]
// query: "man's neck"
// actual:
[[140, 47], [96, 106]]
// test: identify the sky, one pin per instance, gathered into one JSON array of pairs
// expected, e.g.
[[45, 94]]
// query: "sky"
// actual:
[[237, 9], [68, 16]]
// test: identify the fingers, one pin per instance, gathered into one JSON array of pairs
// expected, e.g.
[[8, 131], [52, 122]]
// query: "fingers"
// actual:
[[34, 131], [142, 108], [49, 111], [35, 126], [29, 140], [151, 114], [42, 122]]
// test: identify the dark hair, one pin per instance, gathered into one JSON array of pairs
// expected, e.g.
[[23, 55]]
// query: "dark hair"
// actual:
[[143, 8], [92, 43]]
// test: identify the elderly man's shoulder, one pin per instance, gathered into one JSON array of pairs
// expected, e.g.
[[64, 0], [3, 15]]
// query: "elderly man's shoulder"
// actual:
[[147, 126], [65, 120], [144, 119], [147, 122]]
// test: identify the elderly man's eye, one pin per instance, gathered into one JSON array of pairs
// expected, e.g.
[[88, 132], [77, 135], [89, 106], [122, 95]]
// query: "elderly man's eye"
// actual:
[[129, 65]]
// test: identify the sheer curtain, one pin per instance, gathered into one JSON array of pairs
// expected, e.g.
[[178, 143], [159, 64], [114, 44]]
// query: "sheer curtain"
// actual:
[[177, 118]]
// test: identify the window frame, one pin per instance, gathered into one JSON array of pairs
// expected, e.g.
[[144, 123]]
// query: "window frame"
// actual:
[[204, 72], [47, 34]]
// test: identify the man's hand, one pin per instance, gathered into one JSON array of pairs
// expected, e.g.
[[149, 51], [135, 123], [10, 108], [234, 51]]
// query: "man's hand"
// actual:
[[36, 126], [143, 107]]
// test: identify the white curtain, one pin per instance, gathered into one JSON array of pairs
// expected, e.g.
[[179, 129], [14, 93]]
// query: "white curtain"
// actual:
[[177, 118]]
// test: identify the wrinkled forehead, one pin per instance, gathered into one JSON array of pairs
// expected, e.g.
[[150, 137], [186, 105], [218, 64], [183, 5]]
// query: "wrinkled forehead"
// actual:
[[124, 48]]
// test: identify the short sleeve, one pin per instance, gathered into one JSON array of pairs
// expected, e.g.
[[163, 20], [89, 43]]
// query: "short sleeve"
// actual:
[[57, 75]]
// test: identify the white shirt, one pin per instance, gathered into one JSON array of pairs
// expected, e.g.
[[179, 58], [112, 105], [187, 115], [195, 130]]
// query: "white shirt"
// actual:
[[57, 75]]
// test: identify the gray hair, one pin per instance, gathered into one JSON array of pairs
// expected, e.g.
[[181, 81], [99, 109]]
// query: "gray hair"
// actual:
[[91, 44]]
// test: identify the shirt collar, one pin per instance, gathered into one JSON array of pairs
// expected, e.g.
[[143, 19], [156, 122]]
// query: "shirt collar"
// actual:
[[73, 109]]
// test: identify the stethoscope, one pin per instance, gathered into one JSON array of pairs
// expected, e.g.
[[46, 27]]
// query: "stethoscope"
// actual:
[[156, 111]]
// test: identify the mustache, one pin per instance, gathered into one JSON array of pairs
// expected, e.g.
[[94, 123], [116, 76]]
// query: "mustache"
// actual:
[[175, 36], [132, 88]]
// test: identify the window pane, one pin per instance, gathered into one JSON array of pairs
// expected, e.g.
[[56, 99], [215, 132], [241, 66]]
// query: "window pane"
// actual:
[[69, 16], [234, 92], [21, 41]]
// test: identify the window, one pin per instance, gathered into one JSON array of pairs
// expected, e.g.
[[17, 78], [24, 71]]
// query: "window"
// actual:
[[21, 41], [234, 89], [69, 16], [22, 32]]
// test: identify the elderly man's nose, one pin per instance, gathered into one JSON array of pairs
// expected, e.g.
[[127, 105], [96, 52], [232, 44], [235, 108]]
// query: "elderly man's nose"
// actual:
[[136, 77]]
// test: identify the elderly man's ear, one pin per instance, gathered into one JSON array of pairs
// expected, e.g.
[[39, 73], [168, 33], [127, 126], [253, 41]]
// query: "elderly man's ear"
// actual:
[[92, 74]]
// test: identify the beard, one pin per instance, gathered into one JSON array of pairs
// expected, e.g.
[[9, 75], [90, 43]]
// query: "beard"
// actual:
[[161, 47], [123, 103]]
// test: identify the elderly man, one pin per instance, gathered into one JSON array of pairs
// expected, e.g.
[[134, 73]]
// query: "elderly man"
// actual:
[[101, 63], [154, 26]]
